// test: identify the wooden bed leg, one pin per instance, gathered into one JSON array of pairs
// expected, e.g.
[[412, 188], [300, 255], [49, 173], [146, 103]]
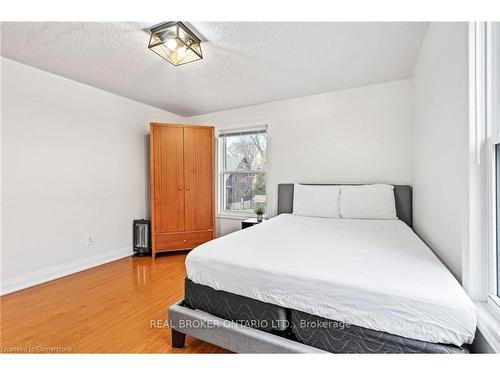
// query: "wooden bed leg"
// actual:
[[178, 339]]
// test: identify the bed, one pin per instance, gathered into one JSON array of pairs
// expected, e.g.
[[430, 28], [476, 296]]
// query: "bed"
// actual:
[[309, 284]]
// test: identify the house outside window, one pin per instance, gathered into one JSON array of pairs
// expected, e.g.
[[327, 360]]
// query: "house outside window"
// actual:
[[243, 171]]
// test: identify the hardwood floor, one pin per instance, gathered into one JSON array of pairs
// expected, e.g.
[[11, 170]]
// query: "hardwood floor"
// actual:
[[113, 308]]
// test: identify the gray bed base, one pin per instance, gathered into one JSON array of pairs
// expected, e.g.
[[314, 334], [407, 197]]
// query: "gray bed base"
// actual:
[[227, 334]]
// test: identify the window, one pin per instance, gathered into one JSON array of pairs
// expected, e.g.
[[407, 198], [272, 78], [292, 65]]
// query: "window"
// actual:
[[242, 170], [487, 66], [497, 244], [481, 267], [493, 122]]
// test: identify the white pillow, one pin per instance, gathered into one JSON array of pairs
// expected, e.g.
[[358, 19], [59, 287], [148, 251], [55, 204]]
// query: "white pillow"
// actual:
[[367, 202], [319, 201]]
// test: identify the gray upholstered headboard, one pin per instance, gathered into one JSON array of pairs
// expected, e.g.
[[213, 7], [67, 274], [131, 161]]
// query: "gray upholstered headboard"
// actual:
[[402, 195]]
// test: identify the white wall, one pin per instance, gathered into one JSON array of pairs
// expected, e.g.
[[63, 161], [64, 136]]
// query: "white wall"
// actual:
[[74, 164], [74, 161], [440, 142], [356, 135]]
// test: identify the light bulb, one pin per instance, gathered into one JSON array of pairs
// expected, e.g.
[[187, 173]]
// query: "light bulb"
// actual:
[[171, 44], [181, 52]]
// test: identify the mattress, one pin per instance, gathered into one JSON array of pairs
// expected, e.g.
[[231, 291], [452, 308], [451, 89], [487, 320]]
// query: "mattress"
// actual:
[[243, 310], [337, 337], [324, 334], [375, 274]]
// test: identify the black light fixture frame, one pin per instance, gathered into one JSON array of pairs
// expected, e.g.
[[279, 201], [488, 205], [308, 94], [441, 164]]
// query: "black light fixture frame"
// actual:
[[166, 25]]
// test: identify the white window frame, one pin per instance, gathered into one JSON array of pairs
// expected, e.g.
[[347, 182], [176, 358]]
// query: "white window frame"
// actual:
[[480, 271], [491, 110], [221, 211]]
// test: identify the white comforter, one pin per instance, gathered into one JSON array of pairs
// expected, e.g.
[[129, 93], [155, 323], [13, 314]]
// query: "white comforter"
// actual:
[[372, 273]]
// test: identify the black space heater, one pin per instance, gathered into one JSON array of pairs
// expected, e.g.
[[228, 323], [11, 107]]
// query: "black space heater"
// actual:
[[142, 237]]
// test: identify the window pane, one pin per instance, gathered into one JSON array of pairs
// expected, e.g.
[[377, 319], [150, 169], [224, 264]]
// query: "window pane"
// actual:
[[244, 191], [495, 119], [246, 152], [497, 167]]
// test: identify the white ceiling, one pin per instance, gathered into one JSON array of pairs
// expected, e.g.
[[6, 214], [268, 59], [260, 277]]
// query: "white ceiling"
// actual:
[[244, 63]]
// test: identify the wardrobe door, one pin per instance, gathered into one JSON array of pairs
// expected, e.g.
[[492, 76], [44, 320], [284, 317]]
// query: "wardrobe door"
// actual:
[[167, 154], [199, 178]]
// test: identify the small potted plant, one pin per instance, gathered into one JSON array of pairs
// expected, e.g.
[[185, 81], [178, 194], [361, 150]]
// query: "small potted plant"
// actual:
[[259, 211]]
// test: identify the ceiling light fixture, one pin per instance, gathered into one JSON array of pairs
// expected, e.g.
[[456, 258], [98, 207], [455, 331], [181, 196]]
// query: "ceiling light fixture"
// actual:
[[175, 43]]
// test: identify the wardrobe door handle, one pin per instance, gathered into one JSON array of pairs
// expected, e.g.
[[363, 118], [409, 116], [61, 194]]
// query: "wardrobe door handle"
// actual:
[[180, 187], [187, 187]]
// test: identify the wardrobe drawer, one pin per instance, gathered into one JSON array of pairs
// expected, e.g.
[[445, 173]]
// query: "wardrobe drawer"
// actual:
[[181, 241]]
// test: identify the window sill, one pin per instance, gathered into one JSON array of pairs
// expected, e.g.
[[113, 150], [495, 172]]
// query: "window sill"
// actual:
[[235, 216], [489, 324]]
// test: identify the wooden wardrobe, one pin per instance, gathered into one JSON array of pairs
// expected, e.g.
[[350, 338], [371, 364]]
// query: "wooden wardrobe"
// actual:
[[182, 186]]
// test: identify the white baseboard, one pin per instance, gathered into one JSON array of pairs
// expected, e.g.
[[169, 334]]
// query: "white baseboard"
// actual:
[[47, 274]]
